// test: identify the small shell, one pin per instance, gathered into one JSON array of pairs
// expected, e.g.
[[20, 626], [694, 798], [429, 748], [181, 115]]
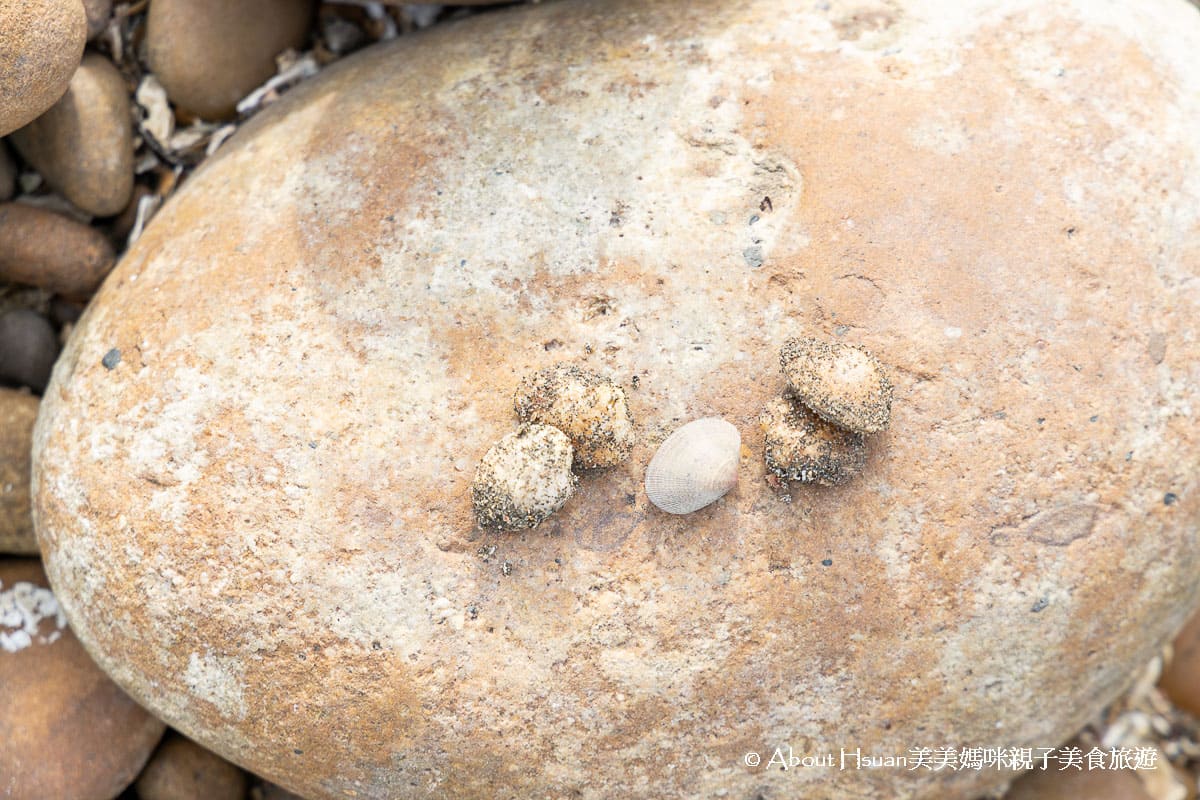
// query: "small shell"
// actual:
[[695, 466], [587, 407], [524, 478], [800, 446], [843, 384]]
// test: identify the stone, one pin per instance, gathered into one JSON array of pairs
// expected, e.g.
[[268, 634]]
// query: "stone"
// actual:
[[98, 13], [18, 411], [209, 54], [51, 251], [68, 730], [260, 521], [1181, 678], [41, 42], [180, 769], [1073, 784], [28, 348], [8, 174], [83, 145]]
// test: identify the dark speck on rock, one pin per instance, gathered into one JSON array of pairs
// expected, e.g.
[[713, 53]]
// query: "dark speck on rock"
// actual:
[[1169, 498], [753, 256], [827, 562], [1039, 605], [111, 359]]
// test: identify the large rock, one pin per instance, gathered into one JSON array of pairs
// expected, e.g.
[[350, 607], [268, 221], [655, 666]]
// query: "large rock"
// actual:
[[41, 42], [259, 520]]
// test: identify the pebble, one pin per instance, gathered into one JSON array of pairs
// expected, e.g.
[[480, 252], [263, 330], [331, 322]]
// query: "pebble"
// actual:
[[8, 174], [98, 13], [67, 730], [53, 252], [28, 348], [1181, 678], [18, 411], [180, 769], [209, 54], [1072, 784], [83, 146], [41, 42]]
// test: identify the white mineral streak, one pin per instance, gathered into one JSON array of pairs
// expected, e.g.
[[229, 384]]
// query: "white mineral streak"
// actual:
[[23, 609]]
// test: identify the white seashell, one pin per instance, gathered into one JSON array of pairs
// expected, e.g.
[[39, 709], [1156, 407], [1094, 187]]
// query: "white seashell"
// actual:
[[695, 466]]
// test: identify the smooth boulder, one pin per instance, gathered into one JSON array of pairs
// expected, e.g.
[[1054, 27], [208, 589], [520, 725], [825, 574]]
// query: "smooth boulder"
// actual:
[[259, 520]]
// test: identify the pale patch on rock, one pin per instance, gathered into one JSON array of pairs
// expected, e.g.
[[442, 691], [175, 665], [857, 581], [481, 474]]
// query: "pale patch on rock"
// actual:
[[217, 679], [23, 608]]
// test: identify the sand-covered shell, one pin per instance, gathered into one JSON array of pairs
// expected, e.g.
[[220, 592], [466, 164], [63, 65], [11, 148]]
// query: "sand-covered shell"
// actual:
[[523, 479], [800, 446], [696, 465], [588, 407], [842, 383]]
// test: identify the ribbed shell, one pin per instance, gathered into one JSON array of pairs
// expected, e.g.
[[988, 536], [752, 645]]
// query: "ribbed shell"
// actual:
[[694, 466]]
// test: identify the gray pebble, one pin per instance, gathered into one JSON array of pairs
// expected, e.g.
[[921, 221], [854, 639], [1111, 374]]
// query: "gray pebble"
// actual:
[[28, 348]]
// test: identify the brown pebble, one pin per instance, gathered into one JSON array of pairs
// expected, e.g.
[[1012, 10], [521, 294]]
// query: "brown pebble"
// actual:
[[41, 42], [83, 146], [1072, 784], [8, 174], [18, 411], [209, 54], [180, 769], [842, 383], [589, 408], [800, 446], [28, 348], [98, 13], [67, 730], [44, 249], [1181, 678]]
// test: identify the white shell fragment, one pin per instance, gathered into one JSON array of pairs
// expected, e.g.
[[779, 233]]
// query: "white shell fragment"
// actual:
[[696, 465]]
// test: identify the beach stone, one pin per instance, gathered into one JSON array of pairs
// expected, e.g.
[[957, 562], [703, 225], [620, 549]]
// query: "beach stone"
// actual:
[[83, 145], [1072, 784], [41, 42], [48, 250], [28, 347], [209, 54], [68, 730], [1181, 678], [18, 411], [180, 769], [260, 521]]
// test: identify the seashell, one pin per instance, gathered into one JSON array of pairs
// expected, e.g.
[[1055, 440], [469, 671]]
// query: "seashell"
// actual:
[[842, 383], [586, 406], [523, 478], [696, 465], [800, 446]]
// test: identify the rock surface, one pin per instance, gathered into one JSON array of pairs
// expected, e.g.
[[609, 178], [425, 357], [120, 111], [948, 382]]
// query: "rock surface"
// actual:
[[68, 731], [18, 411], [51, 251], [41, 42], [83, 146], [180, 769], [260, 520], [209, 54]]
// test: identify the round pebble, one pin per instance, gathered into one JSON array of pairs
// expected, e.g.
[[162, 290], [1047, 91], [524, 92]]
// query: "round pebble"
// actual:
[[41, 42], [53, 252], [18, 411], [800, 446], [28, 348], [843, 384], [180, 769], [587, 407], [67, 730], [83, 145], [209, 54], [523, 478]]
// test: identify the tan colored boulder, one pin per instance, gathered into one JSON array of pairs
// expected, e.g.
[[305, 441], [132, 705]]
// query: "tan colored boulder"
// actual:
[[209, 54], [18, 410], [83, 145], [51, 251], [41, 42], [180, 769], [68, 731], [260, 519]]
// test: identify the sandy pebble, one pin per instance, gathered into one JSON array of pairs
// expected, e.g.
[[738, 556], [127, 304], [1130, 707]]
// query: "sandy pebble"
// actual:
[[18, 411], [209, 54], [83, 146], [180, 769], [41, 42], [28, 348], [44, 249]]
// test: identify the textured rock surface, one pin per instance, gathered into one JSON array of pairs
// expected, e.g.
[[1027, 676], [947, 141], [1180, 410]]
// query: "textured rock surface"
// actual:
[[18, 410], [209, 54], [83, 145], [68, 731], [260, 520], [41, 42], [180, 769]]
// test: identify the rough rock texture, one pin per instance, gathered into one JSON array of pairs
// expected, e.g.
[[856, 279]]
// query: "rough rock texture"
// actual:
[[83, 146], [209, 54], [180, 769], [52, 251], [18, 410], [41, 42], [68, 731], [260, 520], [588, 407]]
